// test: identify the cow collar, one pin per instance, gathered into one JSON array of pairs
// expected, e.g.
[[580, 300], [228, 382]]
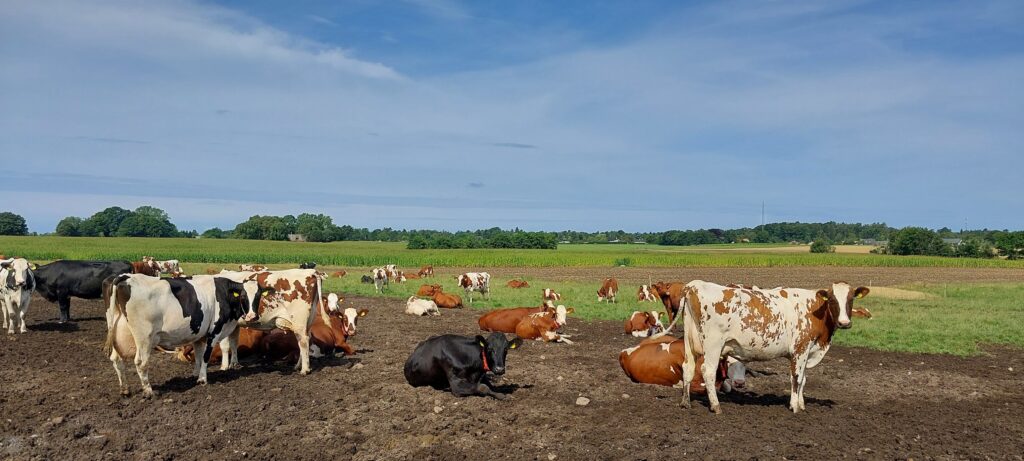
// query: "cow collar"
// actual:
[[483, 356]]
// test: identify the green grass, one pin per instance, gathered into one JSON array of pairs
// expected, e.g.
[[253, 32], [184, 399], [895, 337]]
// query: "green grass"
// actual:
[[366, 254], [960, 319]]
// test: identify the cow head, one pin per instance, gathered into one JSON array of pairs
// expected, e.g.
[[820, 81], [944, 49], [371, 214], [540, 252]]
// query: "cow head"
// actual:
[[351, 318], [735, 375], [332, 303], [561, 313], [654, 322], [243, 299], [19, 274], [550, 294], [838, 302], [494, 348]]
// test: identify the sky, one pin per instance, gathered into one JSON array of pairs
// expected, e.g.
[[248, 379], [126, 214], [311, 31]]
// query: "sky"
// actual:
[[448, 114]]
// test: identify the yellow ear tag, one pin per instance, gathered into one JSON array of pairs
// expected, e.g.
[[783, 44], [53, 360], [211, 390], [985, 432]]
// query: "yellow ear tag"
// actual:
[[512, 346], [860, 295], [483, 345], [234, 294]]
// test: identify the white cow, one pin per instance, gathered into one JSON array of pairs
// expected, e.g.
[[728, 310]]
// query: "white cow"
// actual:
[[762, 324], [16, 285], [416, 306], [147, 312], [475, 281]]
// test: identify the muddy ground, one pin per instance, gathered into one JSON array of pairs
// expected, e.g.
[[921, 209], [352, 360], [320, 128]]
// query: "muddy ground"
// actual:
[[59, 400]]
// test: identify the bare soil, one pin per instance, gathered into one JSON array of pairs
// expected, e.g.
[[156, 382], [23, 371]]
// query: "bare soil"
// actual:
[[59, 399]]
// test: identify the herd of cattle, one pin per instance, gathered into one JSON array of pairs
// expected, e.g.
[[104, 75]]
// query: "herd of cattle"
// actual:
[[284, 314]]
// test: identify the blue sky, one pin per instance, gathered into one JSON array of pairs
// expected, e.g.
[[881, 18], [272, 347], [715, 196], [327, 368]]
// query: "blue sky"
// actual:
[[444, 114]]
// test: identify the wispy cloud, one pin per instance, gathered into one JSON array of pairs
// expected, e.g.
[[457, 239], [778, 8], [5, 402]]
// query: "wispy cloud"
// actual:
[[514, 145], [476, 185], [109, 140], [321, 20], [445, 9]]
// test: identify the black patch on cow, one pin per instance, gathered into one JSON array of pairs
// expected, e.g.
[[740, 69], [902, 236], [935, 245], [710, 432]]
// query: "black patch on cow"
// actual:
[[185, 292], [309, 265]]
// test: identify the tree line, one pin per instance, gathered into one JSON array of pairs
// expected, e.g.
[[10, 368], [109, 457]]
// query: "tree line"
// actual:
[[148, 221]]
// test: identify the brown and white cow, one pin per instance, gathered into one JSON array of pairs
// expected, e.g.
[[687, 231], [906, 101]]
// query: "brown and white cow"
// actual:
[[763, 324], [548, 294], [421, 307], [145, 268], [426, 271], [338, 274], [447, 300], [670, 294], [644, 324], [608, 290], [391, 271], [660, 361], [252, 267], [475, 281], [644, 293], [429, 290], [296, 299], [380, 279], [505, 320], [861, 312], [517, 284], [543, 326], [171, 266]]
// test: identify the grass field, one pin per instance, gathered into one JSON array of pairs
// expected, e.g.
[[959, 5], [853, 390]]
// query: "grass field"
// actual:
[[366, 254]]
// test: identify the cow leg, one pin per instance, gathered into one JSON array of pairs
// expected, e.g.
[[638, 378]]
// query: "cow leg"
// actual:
[[347, 348], [22, 309], [229, 351], [798, 377], [141, 362], [463, 388], [64, 304], [709, 369], [119, 367], [3, 307], [303, 364], [689, 371], [201, 360]]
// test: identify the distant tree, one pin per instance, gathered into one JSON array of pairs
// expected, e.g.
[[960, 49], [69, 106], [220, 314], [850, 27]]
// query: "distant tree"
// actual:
[[147, 221], [105, 223], [917, 241], [974, 247], [316, 227], [821, 246], [1011, 244], [214, 233], [69, 227], [12, 224]]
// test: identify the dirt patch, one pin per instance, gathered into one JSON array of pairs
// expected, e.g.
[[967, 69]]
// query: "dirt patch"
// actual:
[[60, 399]]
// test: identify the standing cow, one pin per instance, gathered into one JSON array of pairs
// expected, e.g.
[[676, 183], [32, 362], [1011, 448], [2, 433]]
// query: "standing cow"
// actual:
[[609, 289], [475, 281], [146, 312], [762, 324], [58, 281], [380, 279], [16, 285]]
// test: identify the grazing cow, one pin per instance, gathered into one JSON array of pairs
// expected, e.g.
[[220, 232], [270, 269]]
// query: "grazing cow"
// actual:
[[660, 361], [428, 290], [426, 271], [144, 267], [645, 294], [671, 295], [517, 284], [252, 267], [58, 281], [475, 281], [447, 300], [16, 285], [167, 313], [644, 324], [309, 265], [543, 326], [459, 363], [366, 279], [550, 295], [295, 302], [608, 290], [416, 306], [861, 312], [763, 324], [338, 274], [380, 280], [505, 320]]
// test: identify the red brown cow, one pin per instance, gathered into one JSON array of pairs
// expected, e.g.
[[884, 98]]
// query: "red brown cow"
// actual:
[[249, 344], [550, 295], [428, 290], [426, 271], [645, 293], [861, 312], [411, 276], [517, 284], [644, 324], [660, 361], [145, 268], [608, 290], [339, 274], [447, 300], [505, 320], [543, 326], [670, 294]]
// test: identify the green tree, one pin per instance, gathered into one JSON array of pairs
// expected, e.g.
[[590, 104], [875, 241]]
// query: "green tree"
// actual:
[[821, 246], [12, 224], [974, 247], [214, 233], [105, 223], [69, 226], [917, 241], [316, 227], [1011, 244], [147, 221]]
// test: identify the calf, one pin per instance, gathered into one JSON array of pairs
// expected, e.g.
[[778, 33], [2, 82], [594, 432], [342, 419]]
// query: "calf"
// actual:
[[167, 313], [608, 290], [338, 274], [16, 285], [670, 294], [660, 361], [763, 324], [58, 281], [459, 363], [428, 290], [380, 280], [517, 284], [447, 300], [475, 281], [550, 295], [645, 294], [416, 306], [644, 324], [543, 326], [426, 271], [505, 320]]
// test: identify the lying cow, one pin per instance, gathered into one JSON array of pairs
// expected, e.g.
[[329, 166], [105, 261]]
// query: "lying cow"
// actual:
[[608, 290], [763, 324], [250, 344], [517, 284], [543, 326], [660, 361], [550, 295], [475, 281], [58, 281], [16, 285], [309, 265], [861, 312], [338, 274], [644, 294], [426, 271], [428, 290], [644, 324], [145, 312], [411, 276], [400, 277], [416, 306], [506, 320], [447, 300], [252, 267], [459, 363], [325, 339], [366, 279]]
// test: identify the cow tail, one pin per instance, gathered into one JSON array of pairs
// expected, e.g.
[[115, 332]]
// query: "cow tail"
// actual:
[[108, 345], [317, 304], [678, 316], [691, 328]]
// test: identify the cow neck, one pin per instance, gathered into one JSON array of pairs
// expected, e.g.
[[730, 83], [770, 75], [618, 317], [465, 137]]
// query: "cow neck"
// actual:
[[483, 356], [829, 319]]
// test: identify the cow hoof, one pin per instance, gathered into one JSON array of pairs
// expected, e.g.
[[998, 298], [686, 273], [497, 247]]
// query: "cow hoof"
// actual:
[[716, 410], [685, 404], [126, 393], [147, 394]]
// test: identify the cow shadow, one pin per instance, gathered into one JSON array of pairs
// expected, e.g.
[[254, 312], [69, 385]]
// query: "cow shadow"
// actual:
[[510, 388], [67, 327], [765, 400]]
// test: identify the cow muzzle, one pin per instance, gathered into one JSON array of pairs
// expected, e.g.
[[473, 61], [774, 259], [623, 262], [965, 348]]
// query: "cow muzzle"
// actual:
[[498, 370], [846, 325], [738, 383], [250, 317]]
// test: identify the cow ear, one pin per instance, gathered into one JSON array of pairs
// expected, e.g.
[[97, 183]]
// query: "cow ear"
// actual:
[[861, 292], [33, 266], [515, 343], [822, 295], [363, 312], [481, 341], [570, 310], [235, 292]]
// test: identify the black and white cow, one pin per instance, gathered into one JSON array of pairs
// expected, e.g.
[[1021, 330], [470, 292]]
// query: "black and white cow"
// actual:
[[146, 312], [459, 363], [60, 280], [16, 285], [309, 265]]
